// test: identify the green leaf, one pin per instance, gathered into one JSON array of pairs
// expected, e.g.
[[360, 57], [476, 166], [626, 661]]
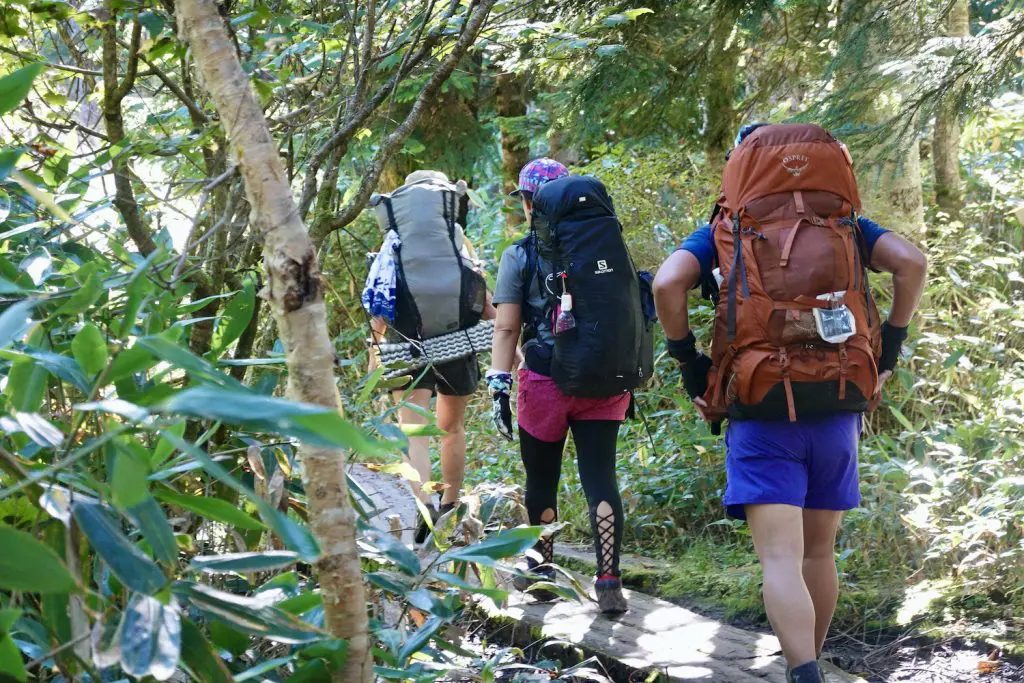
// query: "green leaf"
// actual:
[[164, 449], [312, 424], [14, 321], [130, 480], [90, 349], [130, 565], [14, 86], [301, 604], [901, 418], [155, 528], [9, 158], [234, 319], [61, 367], [294, 535], [506, 543], [251, 615], [243, 562], [150, 638], [12, 666], [199, 656], [84, 297], [335, 652], [227, 638], [200, 368], [214, 509], [26, 384], [27, 564]]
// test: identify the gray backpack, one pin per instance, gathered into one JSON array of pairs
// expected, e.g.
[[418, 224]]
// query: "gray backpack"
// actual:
[[438, 291]]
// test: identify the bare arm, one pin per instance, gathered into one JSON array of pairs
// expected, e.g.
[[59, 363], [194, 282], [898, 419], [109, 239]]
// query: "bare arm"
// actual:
[[507, 327], [676, 277], [893, 254]]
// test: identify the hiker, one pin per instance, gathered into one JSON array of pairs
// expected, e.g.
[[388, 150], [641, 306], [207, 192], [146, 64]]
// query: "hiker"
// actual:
[[424, 283], [798, 354], [557, 298]]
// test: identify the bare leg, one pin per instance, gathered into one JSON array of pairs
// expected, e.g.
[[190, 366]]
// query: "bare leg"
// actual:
[[419, 446], [451, 417], [779, 541], [819, 570]]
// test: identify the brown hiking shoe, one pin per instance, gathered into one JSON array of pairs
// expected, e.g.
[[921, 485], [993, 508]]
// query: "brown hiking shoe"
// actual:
[[609, 594]]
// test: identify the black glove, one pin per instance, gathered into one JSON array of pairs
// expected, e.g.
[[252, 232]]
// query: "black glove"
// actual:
[[892, 344], [693, 365], [500, 386]]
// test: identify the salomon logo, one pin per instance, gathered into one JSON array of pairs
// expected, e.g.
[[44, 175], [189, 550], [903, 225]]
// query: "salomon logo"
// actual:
[[602, 268], [795, 163]]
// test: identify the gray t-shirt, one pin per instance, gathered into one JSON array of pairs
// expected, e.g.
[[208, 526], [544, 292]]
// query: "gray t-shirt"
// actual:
[[512, 276]]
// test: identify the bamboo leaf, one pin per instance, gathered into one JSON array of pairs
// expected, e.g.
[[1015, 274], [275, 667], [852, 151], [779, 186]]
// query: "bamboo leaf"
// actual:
[[129, 564], [27, 564]]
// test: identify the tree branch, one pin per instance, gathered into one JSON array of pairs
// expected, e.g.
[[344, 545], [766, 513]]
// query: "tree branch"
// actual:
[[398, 137]]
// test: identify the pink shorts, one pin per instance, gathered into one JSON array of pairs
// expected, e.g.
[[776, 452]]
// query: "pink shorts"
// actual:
[[545, 412]]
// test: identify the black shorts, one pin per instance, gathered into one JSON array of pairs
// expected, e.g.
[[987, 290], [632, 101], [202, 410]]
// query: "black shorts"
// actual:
[[455, 378]]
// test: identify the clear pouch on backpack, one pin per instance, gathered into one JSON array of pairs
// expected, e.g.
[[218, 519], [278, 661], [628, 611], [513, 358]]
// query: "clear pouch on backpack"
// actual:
[[836, 324]]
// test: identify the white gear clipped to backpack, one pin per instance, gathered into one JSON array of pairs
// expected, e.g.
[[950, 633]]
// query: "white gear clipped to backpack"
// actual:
[[836, 324]]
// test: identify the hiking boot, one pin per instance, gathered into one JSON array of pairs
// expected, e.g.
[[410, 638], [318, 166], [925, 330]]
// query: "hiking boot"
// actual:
[[528, 576], [805, 673], [609, 594], [423, 531]]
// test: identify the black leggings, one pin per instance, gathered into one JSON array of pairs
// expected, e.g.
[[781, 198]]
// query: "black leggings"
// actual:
[[595, 456]]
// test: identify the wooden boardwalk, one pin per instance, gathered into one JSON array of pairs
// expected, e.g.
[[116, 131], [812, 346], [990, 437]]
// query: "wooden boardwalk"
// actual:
[[654, 635]]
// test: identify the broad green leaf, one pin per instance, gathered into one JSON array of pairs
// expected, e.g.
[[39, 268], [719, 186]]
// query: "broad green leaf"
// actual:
[[200, 368], [90, 349], [9, 158], [412, 430], [901, 418], [130, 361], [7, 619], [33, 425], [129, 482], [12, 666], [316, 425], [152, 522], [138, 291], [116, 406], [14, 87], [130, 565], [396, 551], [199, 656], [229, 639], [243, 562], [164, 449], [301, 604], [26, 384], [150, 638], [27, 564], [84, 297], [234, 319], [14, 321], [214, 509], [62, 367], [420, 638], [256, 672], [506, 543], [251, 615]]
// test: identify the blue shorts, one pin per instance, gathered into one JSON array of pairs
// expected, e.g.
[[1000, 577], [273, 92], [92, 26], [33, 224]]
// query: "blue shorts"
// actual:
[[811, 463]]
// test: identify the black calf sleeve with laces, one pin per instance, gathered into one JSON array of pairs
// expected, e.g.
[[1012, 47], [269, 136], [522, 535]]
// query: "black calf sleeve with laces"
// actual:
[[595, 453]]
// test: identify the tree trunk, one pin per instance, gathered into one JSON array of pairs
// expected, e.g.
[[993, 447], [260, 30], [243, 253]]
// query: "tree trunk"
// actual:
[[510, 103], [946, 138], [294, 291], [720, 91], [888, 168]]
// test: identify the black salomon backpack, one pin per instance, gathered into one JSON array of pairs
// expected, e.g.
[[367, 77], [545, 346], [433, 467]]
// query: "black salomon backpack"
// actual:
[[610, 351]]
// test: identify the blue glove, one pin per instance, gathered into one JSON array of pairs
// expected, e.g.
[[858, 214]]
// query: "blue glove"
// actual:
[[499, 384]]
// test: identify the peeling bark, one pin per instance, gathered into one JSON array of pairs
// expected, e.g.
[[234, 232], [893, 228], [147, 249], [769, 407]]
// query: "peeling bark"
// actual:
[[294, 292]]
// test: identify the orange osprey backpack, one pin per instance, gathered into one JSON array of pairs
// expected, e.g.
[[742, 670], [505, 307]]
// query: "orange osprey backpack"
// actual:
[[796, 329]]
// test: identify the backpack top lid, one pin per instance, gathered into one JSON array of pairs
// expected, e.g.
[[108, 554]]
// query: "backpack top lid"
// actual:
[[787, 157], [419, 199], [583, 196]]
